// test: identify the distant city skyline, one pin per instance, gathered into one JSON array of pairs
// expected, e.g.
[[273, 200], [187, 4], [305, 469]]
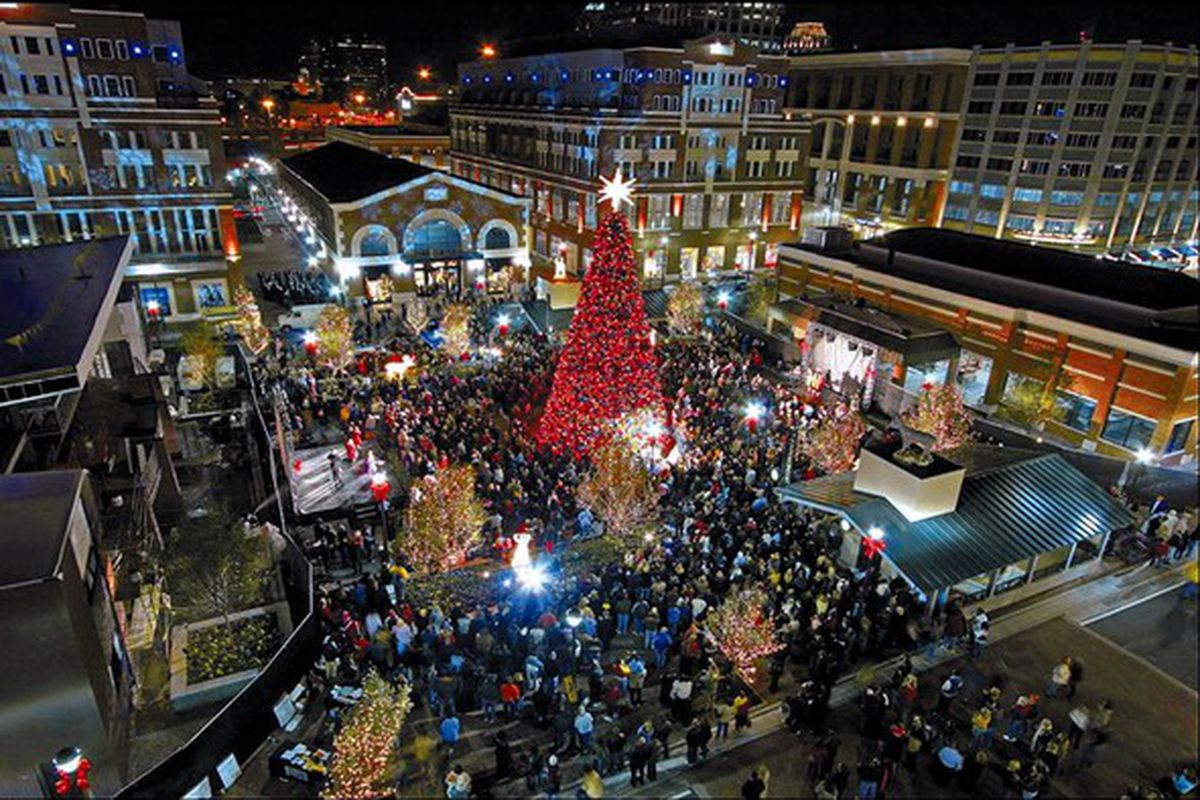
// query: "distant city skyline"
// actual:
[[267, 39]]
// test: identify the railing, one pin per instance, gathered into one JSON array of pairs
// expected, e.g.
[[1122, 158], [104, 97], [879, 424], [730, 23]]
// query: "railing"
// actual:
[[246, 721]]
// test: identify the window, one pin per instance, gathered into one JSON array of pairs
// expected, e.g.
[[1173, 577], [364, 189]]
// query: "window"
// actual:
[[1141, 80], [979, 107], [1019, 79], [1056, 79], [122, 50], [1180, 432], [85, 47], [1074, 169], [986, 217], [1127, 430], [1044, 108], [751, 209], [1025, 195], [1008, 136], [1099, 78], [1000, 164], [112, 86], [41, 84], [987, 79], [718, 211], [968, 162], [95, 87], [1133, 111], [693, 211], [160, 53], [32, 46], [104, 48], [1074, 410], [1107, 199], [974, 135], [961, 187], [994, 191], [1013, 109], [1018, 223], [1066, 198], [1091, 110], [956, 213], [128, 89], [1124, 142], [1088, 140]]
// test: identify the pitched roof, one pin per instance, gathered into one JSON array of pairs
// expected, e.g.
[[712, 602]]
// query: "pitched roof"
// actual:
[[1005, 514], [53, 300], [343, 173], [37, 509]]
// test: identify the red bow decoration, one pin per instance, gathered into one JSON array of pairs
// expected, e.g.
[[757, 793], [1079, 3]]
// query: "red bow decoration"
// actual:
[[873, 547]]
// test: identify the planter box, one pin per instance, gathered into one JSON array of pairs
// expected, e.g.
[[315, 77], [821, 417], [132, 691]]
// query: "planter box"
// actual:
[[185, 695]]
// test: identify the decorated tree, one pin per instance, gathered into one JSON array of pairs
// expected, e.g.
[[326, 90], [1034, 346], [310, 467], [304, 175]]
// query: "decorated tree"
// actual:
[[940, 413], [456, 329], [759, 297], [249, 321], [619, 491], [608, 368], [744, 631], [201, 346], [1029, 402], [365, 760], [444, 520], [335, 338], [685, 309], [832, 444]]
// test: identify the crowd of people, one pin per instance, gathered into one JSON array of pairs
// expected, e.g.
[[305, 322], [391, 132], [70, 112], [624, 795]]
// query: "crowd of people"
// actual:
[[295, 287], [605, 662]]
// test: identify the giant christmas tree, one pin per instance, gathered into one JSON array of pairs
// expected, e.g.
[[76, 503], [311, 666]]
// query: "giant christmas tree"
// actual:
[[607, 371]]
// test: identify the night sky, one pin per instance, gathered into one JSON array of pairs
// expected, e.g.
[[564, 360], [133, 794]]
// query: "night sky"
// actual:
[[263, 38]]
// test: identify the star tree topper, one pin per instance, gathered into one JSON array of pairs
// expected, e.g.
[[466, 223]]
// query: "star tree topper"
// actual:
[[617, 191]]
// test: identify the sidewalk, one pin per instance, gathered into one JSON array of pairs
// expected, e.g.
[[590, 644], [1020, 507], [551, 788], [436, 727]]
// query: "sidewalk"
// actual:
[[1081, 604]]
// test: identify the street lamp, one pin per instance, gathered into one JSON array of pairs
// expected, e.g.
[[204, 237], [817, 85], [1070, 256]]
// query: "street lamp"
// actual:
[[753, 413], [487, 51], [424, 73]]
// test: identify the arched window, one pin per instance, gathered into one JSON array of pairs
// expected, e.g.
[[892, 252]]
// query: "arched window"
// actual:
[[497, 239], [436, 238], [374, 243]]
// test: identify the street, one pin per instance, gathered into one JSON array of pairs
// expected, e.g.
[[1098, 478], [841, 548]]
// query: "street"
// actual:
[[1162, 631]]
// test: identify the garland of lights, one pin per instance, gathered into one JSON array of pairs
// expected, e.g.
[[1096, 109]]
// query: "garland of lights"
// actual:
[[364, 751], [444, 520], [608, 368], [685, 308], [743, 632], [620, 491], [249, 321], [456, 329]]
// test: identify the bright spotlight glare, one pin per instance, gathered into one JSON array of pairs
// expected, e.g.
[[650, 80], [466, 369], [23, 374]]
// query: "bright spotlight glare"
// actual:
[[875, 532], [755, 410], [1144, 455], [532, 578]]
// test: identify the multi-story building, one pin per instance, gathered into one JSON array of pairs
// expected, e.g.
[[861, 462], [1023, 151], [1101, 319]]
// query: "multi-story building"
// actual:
[[68, 675], [807, 37], [760, 25], [103, 131], [1091, 146], [701, 128], [422, 144], [1100, 353], [352, 67], [885, 125]]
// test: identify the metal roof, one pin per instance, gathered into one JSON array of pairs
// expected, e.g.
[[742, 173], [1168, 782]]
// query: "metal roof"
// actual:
[[1004, 516], [917, 340], [37, 515]]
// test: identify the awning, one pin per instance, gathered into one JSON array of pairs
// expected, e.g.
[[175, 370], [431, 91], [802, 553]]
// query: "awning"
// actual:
[[918, 341], [1004, 515]]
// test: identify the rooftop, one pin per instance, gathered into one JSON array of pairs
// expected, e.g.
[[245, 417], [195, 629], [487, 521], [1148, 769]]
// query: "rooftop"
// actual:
[[343, 173], [407, 129], [1151, 304], [917, 340], [54, 305], [1013, 505], [37, 509]]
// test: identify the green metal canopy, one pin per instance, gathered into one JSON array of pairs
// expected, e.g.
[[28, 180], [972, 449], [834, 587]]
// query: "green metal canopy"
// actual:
[[1004, 515]]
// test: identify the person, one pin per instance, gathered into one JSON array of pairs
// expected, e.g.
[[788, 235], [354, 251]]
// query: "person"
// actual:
[[1075, 677], [592, 785], [981, 729], [698, 737], [741, 713], [949, 691], [450, 730], [870, 772], [584, 725], [947, 765], [639, 756], [753, 787], [458, 783], [1060, 676], [725, 714], [1080, 719], [981, 627], [334, 474], [637, 679], [504, 757], [662, 642]]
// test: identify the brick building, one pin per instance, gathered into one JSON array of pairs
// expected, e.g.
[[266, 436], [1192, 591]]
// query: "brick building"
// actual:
[[701, 127], [1110, 348]]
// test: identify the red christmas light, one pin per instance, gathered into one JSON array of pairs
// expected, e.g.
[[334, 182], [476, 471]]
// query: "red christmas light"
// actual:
[[607, 369]]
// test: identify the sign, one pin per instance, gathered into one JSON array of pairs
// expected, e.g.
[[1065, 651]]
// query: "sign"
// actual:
[[437, 194]]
